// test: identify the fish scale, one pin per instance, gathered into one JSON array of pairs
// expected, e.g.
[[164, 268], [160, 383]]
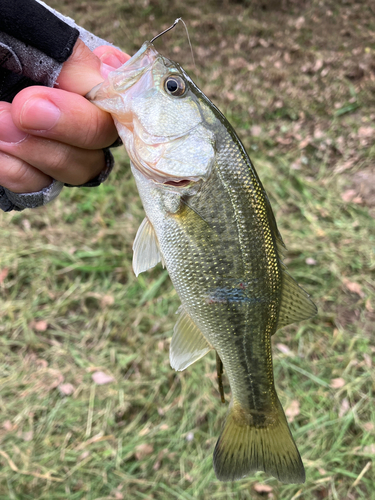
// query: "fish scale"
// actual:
[[208, 219]]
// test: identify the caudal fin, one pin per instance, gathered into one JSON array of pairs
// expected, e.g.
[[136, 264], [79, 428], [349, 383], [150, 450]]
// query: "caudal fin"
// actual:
[[243, 448]]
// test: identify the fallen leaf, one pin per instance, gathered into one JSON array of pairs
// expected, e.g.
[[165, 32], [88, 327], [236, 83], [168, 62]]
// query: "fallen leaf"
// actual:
[[369, 426], [7, 425], [158, 460], [41, 326], [368, 360], [26, 224], [102, 378], [3, 274], [341, 167], [256, 130], [358, 200], [262, 488], [27, 436], [142, 450], [293, 410], [304, 143], [284, 349], [318, 65], [66, 389], [344, 407], [348, 195], [300, 22], [368, 306], [370, 449], [337, 383], [144, 432], [84, 455], [107, 300], [365, 132], [310, 261], [353, 287]]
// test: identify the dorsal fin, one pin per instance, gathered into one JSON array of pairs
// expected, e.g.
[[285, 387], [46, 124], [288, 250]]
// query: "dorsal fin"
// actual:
[[188, 343], [146, 252], [296, 304]]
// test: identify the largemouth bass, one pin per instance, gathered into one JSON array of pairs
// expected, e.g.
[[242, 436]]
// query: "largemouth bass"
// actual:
[[209, 220]]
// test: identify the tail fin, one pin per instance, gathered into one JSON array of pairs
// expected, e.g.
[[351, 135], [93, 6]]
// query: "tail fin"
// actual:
[[244, 448]]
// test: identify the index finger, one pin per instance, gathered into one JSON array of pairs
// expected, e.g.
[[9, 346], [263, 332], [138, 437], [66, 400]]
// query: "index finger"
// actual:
[[83, 70]]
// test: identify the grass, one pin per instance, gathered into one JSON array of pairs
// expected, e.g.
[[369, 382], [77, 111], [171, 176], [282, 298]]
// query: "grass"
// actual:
[[71, 306]]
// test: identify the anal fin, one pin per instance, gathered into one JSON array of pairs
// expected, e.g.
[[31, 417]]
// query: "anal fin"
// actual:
[[188, 343], [146, 252]]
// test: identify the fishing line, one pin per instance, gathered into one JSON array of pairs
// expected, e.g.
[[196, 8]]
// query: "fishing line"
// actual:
[[187, 34], [188, 37]]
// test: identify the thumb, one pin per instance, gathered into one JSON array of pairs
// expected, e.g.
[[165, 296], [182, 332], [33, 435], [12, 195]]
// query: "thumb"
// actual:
[[83, 70]]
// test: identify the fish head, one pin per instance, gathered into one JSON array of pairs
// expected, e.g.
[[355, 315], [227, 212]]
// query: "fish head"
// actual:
[[162, 118]]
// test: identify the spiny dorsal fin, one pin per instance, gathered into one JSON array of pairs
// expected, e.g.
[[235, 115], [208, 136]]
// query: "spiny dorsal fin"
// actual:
[[146, 252], [296, 304], [188, 343]]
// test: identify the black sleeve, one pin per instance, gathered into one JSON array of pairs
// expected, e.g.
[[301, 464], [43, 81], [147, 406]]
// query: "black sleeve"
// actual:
[[32, 24], [34, 44]]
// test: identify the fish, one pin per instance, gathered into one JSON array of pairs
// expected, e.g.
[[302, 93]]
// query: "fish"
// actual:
[[209, 221]]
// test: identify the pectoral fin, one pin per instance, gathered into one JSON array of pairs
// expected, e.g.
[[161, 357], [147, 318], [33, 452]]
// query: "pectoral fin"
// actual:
[[146, 252], [296, 304], [188, 343]]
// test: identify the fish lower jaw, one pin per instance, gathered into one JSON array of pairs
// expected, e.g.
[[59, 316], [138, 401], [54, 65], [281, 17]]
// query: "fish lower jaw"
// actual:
[[166, 180]]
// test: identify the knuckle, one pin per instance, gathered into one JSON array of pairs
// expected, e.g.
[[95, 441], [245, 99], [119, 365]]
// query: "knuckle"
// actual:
[[92, 132], [14, 173], [61, 158]]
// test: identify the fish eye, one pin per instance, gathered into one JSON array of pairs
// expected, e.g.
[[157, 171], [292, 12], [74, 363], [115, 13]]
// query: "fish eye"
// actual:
[[175, 85]]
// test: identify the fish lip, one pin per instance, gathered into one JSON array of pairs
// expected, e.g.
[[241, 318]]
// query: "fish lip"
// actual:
[[165, 179], [124, 77]]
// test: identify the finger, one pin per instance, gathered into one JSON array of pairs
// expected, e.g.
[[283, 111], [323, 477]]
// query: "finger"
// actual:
[[15, 174], [82, 71], [61, 161], [64, 117], [20, 177], [111, 58], [54, 159]]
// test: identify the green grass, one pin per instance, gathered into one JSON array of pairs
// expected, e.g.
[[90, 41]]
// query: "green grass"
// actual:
[[71, 305]]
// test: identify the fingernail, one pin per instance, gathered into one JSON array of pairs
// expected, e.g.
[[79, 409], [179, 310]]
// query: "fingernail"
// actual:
[[39, 114], [110, 62], [8, 131], [110, 59]]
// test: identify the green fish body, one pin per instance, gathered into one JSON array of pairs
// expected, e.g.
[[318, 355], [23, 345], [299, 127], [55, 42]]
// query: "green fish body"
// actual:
[[208, 219]]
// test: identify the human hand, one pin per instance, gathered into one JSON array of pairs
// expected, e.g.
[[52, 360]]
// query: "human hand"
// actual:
[[55, 133]]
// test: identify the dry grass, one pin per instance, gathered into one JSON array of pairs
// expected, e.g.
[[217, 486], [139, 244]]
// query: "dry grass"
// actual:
[[297, 79]]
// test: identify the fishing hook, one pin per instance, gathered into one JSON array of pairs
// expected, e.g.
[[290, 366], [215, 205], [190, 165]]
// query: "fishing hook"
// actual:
[[187, 33], [165, 31]]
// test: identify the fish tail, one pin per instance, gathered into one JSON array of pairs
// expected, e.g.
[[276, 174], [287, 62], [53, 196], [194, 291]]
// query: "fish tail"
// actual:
[[244, 447]]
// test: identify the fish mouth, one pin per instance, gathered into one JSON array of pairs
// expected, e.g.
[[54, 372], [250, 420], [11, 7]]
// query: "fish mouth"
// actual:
[[156, 159], [166, 179], [179, 183]]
